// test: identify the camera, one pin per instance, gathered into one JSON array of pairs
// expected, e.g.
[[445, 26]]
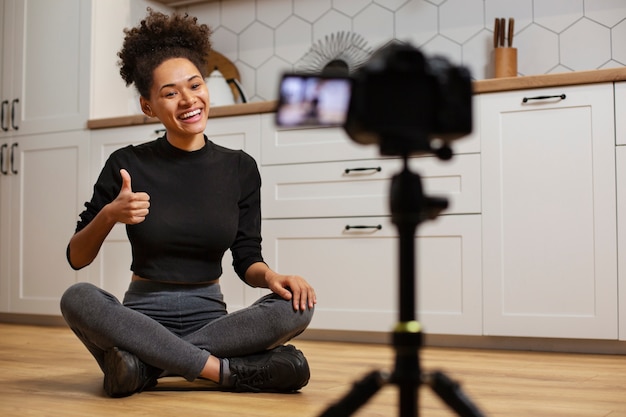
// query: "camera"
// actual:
[[399, 99]]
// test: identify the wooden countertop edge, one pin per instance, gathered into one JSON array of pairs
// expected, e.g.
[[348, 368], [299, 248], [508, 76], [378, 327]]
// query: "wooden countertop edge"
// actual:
[[219, 111], [480, 87], [550, 80]]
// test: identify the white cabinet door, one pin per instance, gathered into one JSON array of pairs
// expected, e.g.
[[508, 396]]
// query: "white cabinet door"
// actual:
[[549, 230], [621, 235], [240, 132], [5, 224], [49, 177], [46, 65], [7, 28], [355, 272], [620, 113]]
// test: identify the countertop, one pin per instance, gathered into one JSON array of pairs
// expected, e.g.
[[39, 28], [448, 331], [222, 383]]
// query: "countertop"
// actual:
[[480, 87]]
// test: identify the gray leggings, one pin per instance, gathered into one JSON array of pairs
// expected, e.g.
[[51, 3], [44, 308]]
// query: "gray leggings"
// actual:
[[176, 327]]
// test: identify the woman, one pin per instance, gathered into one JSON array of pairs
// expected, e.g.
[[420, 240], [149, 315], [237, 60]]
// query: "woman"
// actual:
[[185, 201]]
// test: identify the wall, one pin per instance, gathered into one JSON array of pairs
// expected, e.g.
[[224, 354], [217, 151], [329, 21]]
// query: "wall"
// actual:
[[266, 37], [109, 96]]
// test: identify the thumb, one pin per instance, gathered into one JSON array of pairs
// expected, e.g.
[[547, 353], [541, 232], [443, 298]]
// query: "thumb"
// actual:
[[125, 180]]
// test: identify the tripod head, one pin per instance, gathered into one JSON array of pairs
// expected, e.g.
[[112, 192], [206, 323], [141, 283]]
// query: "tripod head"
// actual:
[[399, 99]]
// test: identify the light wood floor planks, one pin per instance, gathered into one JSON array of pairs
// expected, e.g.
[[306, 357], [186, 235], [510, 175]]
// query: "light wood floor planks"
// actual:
[[45, 371]]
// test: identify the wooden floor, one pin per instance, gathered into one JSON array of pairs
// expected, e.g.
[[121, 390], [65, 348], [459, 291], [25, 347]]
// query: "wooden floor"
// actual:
[[45, 371]]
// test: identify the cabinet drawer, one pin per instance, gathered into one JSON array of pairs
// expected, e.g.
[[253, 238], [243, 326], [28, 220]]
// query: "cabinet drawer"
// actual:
[[289, 146], [361, 188], [355, 272]]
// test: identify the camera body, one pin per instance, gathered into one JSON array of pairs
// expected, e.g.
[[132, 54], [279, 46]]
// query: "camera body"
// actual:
[[399, 99]]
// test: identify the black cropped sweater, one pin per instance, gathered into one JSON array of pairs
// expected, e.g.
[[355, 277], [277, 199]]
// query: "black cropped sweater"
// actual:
[[201, 204]]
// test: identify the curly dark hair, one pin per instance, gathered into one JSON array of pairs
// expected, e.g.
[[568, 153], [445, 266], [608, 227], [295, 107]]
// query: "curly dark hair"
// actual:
[[160, 37]]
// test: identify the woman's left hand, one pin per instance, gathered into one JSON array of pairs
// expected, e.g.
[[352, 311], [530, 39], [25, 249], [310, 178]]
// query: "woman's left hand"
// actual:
[[292, 287]]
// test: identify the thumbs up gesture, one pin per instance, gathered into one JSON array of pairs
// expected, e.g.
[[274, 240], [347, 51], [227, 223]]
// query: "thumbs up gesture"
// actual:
[[130, 207]]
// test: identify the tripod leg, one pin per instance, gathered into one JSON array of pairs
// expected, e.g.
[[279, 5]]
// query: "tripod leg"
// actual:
[[450, 392], [360, 393]]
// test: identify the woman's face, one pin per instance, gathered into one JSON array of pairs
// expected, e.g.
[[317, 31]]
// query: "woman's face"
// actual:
[[180, 100]]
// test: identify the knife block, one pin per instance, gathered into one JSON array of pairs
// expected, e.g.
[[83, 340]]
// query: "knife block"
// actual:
[[505, 62]]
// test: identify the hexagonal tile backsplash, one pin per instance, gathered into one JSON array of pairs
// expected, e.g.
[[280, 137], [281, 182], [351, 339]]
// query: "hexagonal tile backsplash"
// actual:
[[266, 37]]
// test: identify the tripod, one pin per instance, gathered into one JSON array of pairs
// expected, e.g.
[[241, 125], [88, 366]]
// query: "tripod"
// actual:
[[409, 208]]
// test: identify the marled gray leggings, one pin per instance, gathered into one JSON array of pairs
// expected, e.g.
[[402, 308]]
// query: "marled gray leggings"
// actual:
[[177, 327]]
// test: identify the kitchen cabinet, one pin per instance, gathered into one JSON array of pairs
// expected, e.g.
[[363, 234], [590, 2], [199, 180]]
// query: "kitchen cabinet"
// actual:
[[620, 158], [620, 164], [5, 224], [548, 213], [41, 185], [111, 268], [325, 208], [44, 69], [620, 111], [355, 271]]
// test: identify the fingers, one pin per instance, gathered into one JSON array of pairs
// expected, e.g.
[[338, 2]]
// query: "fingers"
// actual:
[[302, 295], [132, 207], [304, 298], [125, 181]]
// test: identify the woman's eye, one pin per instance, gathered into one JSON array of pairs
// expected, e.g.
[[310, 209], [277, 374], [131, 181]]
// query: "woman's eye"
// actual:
[[195, 86]]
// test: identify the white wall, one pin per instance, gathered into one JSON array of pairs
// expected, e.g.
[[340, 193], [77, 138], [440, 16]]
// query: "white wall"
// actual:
[[266, 37], [109, 96]]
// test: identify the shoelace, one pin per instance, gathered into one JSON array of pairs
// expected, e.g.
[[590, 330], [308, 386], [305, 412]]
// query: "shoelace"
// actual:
[[253, 379]]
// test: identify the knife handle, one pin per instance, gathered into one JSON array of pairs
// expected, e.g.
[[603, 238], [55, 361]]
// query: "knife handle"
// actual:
[[496, 33]]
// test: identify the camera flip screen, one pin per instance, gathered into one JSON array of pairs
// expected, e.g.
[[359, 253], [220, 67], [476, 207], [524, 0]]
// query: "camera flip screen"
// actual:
[[313, 100]]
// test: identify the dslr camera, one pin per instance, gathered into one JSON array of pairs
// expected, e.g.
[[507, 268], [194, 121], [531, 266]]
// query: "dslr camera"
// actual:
[[399, 99]]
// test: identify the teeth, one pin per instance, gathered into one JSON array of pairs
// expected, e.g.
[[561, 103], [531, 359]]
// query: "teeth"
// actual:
[[190, 114]]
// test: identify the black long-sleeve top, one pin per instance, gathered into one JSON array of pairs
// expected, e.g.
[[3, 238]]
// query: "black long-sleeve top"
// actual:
[[201, 204]]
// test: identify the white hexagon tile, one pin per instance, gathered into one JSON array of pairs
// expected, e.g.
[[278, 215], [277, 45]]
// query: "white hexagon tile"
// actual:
[[266, 37]]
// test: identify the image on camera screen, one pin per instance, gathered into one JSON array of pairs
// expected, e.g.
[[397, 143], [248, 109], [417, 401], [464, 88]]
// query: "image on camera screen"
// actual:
[[307, 100]]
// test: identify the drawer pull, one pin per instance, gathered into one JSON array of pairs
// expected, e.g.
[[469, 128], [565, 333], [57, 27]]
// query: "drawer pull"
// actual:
[[351, 170], [3, 170], [350, 227], [13, 170], [527, 99], [5, 105], [13, 103]]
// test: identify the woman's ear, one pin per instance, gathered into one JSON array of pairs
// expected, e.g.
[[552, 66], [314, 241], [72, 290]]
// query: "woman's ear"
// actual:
[[145, 107]]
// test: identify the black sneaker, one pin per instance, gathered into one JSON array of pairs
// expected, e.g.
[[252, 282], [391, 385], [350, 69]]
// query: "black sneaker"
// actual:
[[282, 369], [125, 374]]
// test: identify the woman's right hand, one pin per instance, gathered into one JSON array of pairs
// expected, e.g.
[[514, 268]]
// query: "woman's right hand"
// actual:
[[129, 207]]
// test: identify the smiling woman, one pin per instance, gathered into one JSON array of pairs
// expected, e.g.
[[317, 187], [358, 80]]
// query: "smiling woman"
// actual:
[[180, 100], [189, 201]]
